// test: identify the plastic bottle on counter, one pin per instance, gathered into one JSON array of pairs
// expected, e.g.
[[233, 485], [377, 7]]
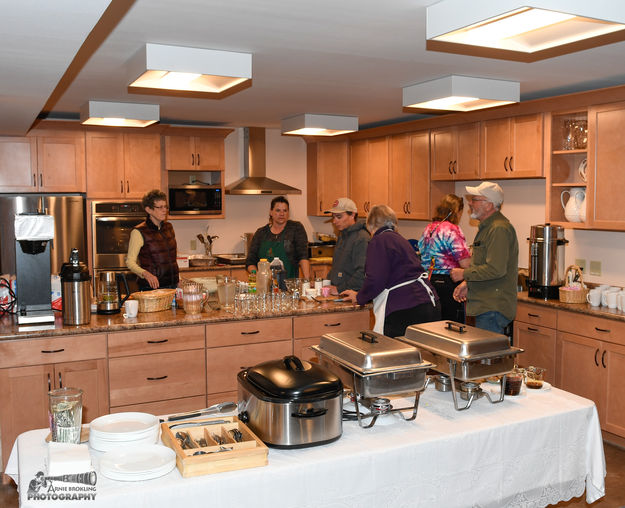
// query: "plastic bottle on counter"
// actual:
[[278, 274], [263, 277], [251, 282]]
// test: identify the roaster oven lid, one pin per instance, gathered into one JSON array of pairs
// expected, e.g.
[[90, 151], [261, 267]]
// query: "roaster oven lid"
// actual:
[[291, 379], [458, 340]]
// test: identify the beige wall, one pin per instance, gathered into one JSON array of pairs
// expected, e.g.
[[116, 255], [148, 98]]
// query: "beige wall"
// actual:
[[286, 161]]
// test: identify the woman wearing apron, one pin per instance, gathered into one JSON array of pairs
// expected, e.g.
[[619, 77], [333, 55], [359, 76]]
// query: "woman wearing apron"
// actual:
[[394, 278], [281, 238]]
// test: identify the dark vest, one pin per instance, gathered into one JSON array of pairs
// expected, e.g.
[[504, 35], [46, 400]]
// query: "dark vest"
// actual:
[[158, 254]]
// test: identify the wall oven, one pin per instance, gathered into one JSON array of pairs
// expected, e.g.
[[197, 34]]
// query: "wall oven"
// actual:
[[112, 223]]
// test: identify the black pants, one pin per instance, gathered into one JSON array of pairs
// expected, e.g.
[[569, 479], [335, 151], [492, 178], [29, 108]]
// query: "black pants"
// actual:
[[396, 322], [450, 309]]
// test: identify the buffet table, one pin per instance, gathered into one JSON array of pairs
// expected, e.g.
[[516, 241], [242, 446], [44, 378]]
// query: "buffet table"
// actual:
[[536, 449]]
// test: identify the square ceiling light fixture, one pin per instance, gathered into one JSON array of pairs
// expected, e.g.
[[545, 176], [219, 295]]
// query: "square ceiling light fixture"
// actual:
[[189, 72], [459, 93], [119, 114], [524, 31], [319, 125]]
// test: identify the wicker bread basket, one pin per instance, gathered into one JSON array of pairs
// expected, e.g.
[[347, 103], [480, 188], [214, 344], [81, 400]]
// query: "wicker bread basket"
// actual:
[[573, 295], [154, 301]]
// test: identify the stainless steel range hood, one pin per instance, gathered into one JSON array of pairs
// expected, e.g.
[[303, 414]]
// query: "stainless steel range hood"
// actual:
[[254, 181]]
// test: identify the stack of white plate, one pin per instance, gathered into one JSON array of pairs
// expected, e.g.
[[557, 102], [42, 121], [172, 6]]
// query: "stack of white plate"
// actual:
[[123, 429], [137, 462]]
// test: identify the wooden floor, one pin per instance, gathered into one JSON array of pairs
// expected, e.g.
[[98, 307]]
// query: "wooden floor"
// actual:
[[614, 485]]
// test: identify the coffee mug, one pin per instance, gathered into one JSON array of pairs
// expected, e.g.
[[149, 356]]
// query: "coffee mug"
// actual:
[[612, 299], [132, 308], [621, 301], [604, 294], [594, 297]]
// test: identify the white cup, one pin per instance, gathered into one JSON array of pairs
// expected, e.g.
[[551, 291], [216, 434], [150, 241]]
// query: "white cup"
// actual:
[[132, 308], [604, 294], [621, 301], [594, 297], [612, 299], [325, 282]]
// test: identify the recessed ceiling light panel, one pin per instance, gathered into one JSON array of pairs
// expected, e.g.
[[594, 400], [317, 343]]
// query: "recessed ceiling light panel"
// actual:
[[460, 93], [308, 124], [119, 114]]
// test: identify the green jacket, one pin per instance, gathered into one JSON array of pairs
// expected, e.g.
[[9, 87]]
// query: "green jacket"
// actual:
[[493, 273]]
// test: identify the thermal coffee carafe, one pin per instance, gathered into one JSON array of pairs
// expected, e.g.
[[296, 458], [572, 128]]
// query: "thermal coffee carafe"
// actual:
[[546, 260], [110, 299], [76, 291]]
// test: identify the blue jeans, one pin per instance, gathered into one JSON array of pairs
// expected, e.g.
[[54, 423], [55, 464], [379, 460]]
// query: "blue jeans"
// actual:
[[493, 321]]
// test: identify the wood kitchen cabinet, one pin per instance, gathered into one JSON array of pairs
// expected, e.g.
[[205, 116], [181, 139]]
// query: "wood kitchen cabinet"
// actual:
[[369, 170], [327, 168], [43, 161], [31, 368], [455, 152], [195, 149], [535, 333], [512, 147], [591, 362], [122, 165]]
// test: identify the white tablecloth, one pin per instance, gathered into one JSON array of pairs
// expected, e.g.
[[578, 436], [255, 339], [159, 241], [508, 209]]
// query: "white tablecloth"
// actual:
[[528, 451]]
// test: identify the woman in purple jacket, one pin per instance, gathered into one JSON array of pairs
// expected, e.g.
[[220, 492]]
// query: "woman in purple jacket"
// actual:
[[394, 278]]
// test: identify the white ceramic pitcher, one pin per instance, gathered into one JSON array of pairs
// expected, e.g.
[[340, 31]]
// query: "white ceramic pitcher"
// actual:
[[575, 207]]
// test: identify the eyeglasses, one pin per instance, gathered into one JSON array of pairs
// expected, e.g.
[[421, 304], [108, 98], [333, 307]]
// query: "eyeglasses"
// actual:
[[473, 200], [162, 207]]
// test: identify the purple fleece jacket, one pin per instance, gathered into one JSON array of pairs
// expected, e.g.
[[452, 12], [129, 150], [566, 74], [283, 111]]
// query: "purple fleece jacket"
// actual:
[[391, 260]]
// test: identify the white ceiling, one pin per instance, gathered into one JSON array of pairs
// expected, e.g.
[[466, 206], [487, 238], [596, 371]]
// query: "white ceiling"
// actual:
[[348, 57]]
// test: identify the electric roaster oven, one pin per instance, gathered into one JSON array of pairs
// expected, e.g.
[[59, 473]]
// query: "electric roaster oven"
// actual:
[[374, 366], [463, 355], [291, 403]]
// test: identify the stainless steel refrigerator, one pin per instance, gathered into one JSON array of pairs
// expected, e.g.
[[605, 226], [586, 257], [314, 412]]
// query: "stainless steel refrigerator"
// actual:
[[70, 226]]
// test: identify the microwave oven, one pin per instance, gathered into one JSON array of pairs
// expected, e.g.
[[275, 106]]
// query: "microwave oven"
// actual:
[[195, 200]]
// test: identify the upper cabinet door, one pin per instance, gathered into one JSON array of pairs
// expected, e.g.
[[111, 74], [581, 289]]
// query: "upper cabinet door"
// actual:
[[400, 173], [61, 163], [419, 203], [378, 172], [467, 166], [105, 164], [526, 159], [496, 151], [359, 175], [179, 153], [326, 174], [209, 153], [18, 164], [443, 153], [142, 164]]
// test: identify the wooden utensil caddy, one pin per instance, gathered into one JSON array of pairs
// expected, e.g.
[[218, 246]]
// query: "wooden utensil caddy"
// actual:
[[248, 452]]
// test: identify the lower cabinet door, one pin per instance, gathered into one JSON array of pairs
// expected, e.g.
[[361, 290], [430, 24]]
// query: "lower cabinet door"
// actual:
[[613, 363], [224, 363], [90, 376], [539, 345]]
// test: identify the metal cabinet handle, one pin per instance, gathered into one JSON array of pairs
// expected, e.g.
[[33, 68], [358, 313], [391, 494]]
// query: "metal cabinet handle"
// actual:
[[250, 333], [156, 378], [596, 361], [603, 358], [320, 208], [449, 168], [530, 329], [60, 381], [40, 179], [121, 186], [455, 166], [34, 180], [127, 186], [332, 324], [505, 164], [533, 315], [510, 164], [49, 383], [192, 159], [51, 351], [157, 341], [604, 330], [198, 159], [409, 207]]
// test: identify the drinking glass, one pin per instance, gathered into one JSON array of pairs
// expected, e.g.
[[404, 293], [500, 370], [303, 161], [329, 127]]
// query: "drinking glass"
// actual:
[[534, 377], [226, 288], [65, 414]]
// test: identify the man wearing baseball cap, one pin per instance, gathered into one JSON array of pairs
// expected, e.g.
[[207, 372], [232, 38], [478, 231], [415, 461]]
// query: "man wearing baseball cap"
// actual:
[[490, 281], [348, 262]]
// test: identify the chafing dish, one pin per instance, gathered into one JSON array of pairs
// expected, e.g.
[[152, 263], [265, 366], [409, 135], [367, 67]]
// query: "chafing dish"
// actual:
[[464, 354], [374, 365]]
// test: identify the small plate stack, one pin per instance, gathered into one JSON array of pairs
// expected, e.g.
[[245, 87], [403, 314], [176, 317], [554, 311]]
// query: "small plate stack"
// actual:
[[138, 462], [123, 429]]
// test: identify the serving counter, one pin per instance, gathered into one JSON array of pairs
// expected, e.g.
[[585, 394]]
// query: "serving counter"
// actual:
[[536, 449]]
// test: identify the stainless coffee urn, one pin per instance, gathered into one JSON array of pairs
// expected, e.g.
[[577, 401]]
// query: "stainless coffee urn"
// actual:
[[76, 291], [546, 260]]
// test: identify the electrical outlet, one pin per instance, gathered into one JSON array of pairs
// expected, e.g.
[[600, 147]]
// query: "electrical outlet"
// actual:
[[582, 264], [193, 244], [595, 268], [192, 179]]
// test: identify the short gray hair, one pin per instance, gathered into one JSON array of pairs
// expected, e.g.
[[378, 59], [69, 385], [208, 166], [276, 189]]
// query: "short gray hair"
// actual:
[[381, 216]]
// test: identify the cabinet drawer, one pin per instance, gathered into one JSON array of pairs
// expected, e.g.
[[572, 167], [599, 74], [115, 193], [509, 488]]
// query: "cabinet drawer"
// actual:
[[158, 340], [248, 332], [17, 353], [590, 326], [320, 324], [536, 314], [148, 378], [163, 407]]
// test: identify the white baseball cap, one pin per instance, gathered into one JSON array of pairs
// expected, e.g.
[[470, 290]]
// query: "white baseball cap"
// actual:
[[490, 190], [342, 205]]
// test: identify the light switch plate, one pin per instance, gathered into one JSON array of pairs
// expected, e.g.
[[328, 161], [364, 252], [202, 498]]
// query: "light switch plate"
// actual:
[[193, 244], [582, 264], [595, 268]]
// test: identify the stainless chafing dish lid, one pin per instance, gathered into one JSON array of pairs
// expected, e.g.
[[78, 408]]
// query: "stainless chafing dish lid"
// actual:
[[457, 340], [368, 352]]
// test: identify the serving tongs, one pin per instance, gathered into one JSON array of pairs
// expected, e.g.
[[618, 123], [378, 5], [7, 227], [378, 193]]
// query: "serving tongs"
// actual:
[[222, 407]]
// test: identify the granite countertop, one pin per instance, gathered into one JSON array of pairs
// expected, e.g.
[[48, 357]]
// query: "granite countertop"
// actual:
[[582, 308], [313, 261], [175, 317]]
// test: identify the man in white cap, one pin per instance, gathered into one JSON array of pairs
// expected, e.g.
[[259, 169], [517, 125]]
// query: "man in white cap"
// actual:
[[348, 262], [490, 281]]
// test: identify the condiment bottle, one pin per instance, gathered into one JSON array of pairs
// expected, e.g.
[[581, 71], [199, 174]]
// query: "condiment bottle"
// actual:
[[263, 277], [251, 281]]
